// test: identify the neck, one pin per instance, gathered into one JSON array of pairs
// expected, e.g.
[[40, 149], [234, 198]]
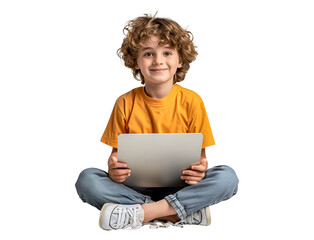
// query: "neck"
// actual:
[[158, 91]]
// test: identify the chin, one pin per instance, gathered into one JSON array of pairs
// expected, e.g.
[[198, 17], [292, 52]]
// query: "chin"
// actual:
[[158, 81]]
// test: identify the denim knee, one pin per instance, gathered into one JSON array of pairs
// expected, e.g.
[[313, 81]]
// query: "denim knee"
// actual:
[[85, 182], [227, 180]]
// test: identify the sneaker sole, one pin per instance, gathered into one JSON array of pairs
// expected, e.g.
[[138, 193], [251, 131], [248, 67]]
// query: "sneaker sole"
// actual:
[[102, 212], [208, 217]]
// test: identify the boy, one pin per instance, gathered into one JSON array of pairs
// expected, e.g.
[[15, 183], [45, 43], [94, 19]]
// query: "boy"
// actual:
[[159, 52]]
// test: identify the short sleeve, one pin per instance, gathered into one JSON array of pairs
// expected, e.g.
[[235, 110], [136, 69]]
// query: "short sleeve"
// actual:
[[199, 123], [116, 125]]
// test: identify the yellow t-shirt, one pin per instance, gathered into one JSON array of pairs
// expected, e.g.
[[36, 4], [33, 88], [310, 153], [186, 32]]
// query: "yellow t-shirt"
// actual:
[[182, 111]]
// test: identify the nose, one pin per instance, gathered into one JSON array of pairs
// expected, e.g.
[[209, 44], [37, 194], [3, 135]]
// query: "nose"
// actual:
[[158, 60]]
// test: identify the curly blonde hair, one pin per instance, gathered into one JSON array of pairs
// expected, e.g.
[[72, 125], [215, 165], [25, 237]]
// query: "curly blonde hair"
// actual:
[[169, 32]]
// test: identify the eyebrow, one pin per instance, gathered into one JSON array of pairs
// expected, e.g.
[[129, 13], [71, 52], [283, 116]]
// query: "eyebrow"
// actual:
[[150, 48]]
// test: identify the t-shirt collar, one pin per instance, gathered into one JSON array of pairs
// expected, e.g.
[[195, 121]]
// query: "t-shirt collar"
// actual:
[[160, 102]]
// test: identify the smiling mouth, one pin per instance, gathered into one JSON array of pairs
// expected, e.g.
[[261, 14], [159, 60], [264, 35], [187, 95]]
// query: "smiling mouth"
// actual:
[[158, 69]]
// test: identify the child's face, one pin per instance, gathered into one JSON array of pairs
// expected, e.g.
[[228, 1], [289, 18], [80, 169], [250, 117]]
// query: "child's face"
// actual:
[[158, 64]]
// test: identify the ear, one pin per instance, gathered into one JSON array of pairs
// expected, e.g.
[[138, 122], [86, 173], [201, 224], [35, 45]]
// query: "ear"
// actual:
[[180, 63]]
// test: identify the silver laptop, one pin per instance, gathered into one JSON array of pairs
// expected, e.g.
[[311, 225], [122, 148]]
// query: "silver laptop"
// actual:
[[157, 160]]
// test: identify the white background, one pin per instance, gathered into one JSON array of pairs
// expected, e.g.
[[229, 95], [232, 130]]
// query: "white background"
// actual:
[[60, 76]]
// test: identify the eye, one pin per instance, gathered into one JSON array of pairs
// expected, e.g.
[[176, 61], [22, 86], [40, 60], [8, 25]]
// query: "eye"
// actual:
[[167, 54], [148, 54]]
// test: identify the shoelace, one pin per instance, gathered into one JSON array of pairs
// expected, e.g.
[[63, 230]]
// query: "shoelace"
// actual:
[[160, 224], [127, 217], [193, 218], [190, 219]]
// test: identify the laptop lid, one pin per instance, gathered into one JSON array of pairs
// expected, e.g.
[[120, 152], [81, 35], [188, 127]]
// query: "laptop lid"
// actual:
[[157, 160]]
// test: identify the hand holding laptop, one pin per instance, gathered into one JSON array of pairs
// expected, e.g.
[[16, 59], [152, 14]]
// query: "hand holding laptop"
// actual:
[[117, 171], [196, 173]]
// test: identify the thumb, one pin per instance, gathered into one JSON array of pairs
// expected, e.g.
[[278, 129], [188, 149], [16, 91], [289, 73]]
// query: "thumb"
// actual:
[[114, 159], [204, 161]]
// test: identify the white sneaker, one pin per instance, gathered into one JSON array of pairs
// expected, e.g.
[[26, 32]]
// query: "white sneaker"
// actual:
[[201, 217], [117, 216]]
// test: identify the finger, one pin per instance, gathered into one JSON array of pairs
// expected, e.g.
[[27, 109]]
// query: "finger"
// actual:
[[203, 162], [189, 178], [192, 173], [118, 165], [120, 172], [119, 178], [122, 177], [191, 182], [114, 159], [199, 167]]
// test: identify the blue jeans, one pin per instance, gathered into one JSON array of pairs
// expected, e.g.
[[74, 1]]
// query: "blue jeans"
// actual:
[[220, 183]]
